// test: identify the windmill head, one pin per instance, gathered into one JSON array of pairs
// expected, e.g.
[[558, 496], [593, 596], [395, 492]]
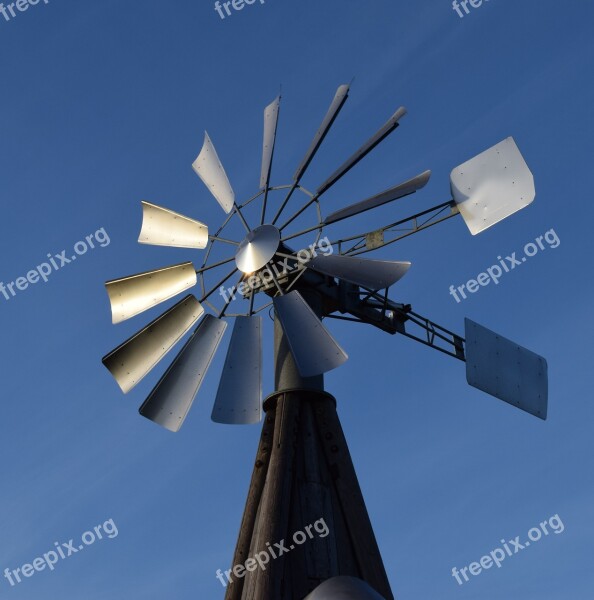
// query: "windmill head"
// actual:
[[485, 190]]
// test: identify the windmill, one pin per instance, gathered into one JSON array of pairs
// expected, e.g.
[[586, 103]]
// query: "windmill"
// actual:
[[303, 469]]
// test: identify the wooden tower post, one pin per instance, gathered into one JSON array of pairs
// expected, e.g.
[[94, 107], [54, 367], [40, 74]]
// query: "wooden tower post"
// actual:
[[303, 475]]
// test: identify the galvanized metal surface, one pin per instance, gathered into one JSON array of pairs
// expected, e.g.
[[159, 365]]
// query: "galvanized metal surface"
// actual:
[[270, 125], [506, 370], [133, 359], [357, 244], [492, 186], [394, 193], [257, 248], [368, 273], [286, 373], [164, 227], [314, 349], [210, 169], [340, 98], [129, 296], [390, 125], [239, 397], [171, 399]]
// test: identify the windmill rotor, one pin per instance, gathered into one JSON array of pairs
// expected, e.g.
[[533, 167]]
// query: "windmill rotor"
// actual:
[[254, 264]]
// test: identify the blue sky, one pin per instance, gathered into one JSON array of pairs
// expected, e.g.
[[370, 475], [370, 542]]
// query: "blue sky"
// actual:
[[104, 105]]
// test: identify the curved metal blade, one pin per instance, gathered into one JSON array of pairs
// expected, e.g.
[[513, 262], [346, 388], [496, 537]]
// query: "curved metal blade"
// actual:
[[373, 274], [209, 168], [133, 359], [394, 193], [340, 98], [239, 396], [129, 296], [315, 351], [492, 186], [270, 125], [506, 370], [164, 227], [385, 130], [171, 399]]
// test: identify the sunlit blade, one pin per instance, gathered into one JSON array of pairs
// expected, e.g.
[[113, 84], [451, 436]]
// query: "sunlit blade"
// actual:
[[171, 399], [239, 396], [270, 125], [209, 168], [164, 227], [492, 186], [129, 296], [373, 274], [365, 149], [133, 359], [339, 99], [315, 351], [394, 193], [506, 370]]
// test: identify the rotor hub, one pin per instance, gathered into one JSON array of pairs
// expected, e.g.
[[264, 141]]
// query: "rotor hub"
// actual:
[[258, 248]]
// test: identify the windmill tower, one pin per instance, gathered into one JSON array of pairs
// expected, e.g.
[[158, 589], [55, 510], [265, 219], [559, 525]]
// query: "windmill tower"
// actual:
[[303, 473]]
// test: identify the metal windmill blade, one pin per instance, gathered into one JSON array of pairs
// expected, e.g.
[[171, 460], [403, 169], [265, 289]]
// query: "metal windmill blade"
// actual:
[[381, 134], [210, 169], [272, 275], [239, 395], [341, 96], [171, 399], [371, 274], [388, 127], [129, 296], [313, 347], [394, 193], [133, 359], [342, 93], [164, 227], [270, 125]]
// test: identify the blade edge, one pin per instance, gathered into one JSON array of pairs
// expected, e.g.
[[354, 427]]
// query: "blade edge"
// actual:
[[313, 347], [176, 391], [132, 360], [239, 395], [394, 193]]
